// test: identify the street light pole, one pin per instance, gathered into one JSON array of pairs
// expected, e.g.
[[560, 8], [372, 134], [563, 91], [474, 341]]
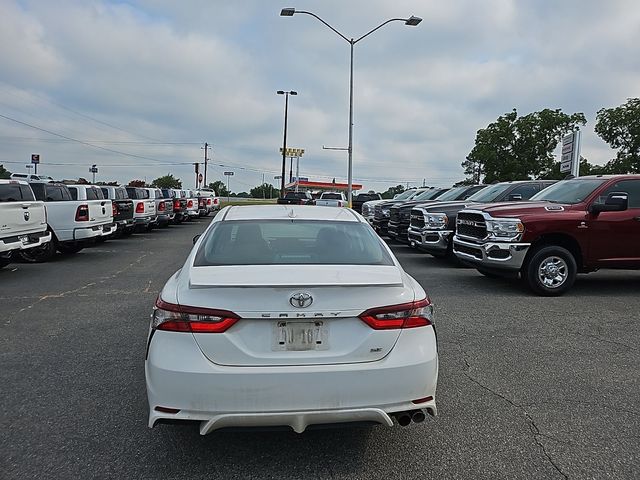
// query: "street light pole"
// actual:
[[284, 141], [411, 21]]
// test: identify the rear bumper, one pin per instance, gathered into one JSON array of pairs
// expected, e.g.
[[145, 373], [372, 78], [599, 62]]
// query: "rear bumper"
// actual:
[[109, 229], [193, 213], [179, 376], [142, 220], [493, 255], [433, 241], [87, 232], [127, 222], [23, 242]]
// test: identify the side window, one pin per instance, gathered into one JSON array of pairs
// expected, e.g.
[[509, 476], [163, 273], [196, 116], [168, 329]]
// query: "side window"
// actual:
[[527, 191], [631, 187], [121, 194], [27, 193], [66, 194], [73, 190], [132, 193], [91, 194], [10, 193], [105, 192], [39, 191]]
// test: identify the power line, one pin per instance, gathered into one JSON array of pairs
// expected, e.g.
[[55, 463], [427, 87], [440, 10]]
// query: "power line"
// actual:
[[118, 152]]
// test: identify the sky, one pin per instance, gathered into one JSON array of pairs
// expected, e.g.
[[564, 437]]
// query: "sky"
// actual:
[[136, 87]]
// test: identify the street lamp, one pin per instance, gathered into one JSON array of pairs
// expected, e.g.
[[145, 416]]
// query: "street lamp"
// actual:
[[284, 142], [412, 21]]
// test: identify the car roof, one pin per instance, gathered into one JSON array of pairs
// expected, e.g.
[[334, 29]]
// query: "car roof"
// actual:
[[13, 182], [288, 212]]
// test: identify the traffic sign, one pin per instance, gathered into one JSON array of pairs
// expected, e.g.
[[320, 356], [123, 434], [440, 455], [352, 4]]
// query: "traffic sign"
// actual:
[[200, 178], [93, 169], [35, 158], [228, 174]]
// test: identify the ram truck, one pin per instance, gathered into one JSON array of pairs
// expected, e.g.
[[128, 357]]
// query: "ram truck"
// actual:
[[144, 209], [179, 204], [23, 220], [432, 227], [92, 193], [331, 199], [362, 198], [164, 207], [122, 207], [576, 226], [73, 223], [382, 211], [192, 203], [296, 198]]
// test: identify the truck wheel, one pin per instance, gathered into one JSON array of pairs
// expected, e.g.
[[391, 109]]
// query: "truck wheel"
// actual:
[[551, 271], [4, 261], [70, 248], [43, 253]]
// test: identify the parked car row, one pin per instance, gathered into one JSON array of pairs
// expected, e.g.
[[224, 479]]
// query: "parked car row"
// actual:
[[39, 218], [540, 231]]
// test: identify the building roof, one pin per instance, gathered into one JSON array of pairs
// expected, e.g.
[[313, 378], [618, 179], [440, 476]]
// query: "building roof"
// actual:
[[311, 185]]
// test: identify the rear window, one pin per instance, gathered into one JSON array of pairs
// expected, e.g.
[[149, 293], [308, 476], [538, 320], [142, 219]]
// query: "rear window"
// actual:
[[331, 196], [121, 194], [94, 194], [10, 193], [73, 190], [283, 242], [297, 195]]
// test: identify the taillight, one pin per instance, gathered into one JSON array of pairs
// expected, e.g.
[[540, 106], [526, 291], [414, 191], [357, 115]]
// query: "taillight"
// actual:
[[140, 207], [215, 201], [208, 201], [161, 207], [82, 213], [406, 315], [190, 204], [176, 204], [114, 209], [182, 318]]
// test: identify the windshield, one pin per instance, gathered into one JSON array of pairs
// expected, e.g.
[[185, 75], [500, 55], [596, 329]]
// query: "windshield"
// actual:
[[569, 191], [452, 194], [283, 242], [428, 194], [490, 193], [331, 196], [406, 195]]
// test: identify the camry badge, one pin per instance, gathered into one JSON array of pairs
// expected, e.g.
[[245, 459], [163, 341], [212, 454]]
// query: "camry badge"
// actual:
[[301, 300]]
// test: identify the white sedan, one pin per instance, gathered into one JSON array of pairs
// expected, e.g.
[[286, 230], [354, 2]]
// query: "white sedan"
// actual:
[[291, 316]]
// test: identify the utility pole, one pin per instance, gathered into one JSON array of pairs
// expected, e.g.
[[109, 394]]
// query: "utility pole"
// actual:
[[263, 191], [206, 160], [196, 168]]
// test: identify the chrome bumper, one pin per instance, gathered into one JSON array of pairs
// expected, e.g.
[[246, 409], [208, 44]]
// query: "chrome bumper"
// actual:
[[498, 255], [430, 240]]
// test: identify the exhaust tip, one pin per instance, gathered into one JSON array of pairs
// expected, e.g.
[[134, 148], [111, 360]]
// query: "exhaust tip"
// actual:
[[404, 419], [418, 416]]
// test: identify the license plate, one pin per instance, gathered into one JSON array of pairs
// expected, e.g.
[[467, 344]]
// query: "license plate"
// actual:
[[24, 239], [300, 336]]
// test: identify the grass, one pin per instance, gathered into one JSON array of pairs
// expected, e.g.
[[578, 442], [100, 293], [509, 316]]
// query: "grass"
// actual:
[[248, 201]]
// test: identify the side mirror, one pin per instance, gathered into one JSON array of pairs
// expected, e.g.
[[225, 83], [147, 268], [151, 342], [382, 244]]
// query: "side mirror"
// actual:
[[516, 197], [195, 239], [615, 202]]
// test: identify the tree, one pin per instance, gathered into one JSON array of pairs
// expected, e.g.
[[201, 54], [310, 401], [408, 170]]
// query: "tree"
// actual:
[[220, 188], [519, 148], [586, 168], [137, 183], [393, 191], [4, 173], [167, 181], [620, 128], [265, 190]]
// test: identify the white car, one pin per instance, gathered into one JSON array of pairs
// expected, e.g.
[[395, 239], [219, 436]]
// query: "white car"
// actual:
[[290, 316], [331, 199], [30, 177]]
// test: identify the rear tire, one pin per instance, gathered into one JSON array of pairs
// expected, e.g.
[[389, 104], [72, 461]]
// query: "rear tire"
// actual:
[[40, 254], [550, 271]]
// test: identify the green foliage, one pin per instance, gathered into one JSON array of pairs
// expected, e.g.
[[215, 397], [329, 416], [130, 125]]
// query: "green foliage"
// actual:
[[265, 190], [167, 181], [585, 169], [4, 173], [220, 188], [519, 148], [137, 183], [392, 191], [620, 128]]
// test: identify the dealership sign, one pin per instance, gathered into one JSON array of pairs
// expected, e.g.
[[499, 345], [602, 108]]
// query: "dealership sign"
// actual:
[[570, 159]]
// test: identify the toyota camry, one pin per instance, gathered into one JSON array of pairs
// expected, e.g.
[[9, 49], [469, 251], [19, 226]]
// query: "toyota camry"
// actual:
[[291, 316]]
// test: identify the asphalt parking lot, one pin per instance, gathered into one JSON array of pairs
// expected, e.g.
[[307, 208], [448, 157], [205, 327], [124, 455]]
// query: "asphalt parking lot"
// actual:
[[529, 387]]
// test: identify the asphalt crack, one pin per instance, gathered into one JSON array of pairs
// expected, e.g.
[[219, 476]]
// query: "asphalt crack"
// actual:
[[532, 424]]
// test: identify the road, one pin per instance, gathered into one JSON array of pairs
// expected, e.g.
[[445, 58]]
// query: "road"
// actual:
[[529, 387]]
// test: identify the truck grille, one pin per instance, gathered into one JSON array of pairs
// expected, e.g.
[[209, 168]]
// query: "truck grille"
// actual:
[[417, 219], [394, 215], [471, 225], [377, 212]]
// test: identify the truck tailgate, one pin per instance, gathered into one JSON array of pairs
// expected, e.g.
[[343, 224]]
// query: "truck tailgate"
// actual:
[[19, 218], [100, 212]]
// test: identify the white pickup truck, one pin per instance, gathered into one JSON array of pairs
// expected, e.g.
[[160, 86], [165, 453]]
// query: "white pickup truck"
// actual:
[[144, 209], [23, 220], [331, 199], [91, 192], [73, 223]]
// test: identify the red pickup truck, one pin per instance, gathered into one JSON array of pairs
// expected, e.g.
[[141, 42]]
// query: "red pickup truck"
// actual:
[[575, 226]]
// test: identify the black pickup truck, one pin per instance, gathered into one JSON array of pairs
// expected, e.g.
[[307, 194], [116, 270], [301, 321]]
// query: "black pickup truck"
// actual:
[[361, 198], [296, 198], [122, 208]]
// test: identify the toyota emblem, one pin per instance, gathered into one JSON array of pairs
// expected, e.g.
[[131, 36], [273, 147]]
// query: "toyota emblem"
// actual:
[[301, 300]]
